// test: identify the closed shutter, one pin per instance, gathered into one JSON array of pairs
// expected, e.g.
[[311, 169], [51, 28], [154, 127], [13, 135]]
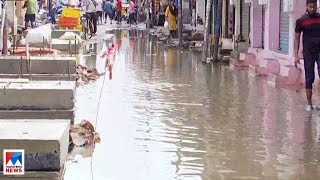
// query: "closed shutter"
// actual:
[[263, 24], [245, 19], [284, 29]]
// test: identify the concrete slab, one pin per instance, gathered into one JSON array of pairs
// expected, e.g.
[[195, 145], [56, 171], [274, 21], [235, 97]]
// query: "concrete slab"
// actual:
[[32, 175], [12, 80], [59, 33], [42, 77], [37, 95], [40, 65], [63, 45], [45, 142], [37, 114]]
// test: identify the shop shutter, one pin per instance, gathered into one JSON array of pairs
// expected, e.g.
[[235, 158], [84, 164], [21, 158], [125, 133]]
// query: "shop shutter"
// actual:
[[245, 20], [284, 29]]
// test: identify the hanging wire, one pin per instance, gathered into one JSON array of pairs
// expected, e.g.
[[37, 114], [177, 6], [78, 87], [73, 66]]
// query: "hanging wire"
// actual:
[[97, 118]]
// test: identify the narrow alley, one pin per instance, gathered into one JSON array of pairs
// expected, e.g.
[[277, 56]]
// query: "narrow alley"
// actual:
[[165, 115]]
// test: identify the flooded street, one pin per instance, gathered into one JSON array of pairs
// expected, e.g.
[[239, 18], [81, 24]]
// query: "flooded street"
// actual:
[[165, 116]]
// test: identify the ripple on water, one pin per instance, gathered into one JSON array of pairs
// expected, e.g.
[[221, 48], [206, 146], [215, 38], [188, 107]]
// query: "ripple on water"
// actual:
[[170, 117]]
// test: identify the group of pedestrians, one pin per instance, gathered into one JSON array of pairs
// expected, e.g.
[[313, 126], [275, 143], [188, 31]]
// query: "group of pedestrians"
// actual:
[[95, 9]]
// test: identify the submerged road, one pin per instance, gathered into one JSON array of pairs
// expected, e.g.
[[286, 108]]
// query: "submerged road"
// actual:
[[166, 116]]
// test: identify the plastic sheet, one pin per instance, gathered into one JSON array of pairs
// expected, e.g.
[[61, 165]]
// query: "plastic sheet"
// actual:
[[166, 24], [37, 35], [70, 36]]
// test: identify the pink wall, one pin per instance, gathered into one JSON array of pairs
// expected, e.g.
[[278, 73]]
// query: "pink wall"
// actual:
[[256, 24], [272, 25], [272, 29]]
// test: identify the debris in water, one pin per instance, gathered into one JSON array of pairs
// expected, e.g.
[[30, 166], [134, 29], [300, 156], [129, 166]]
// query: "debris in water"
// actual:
[[84, 134], [109, 55], [86, 75]]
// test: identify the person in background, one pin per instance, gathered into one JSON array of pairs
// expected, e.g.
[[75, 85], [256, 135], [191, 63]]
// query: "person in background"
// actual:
[[92, 12], [109, 11], [193, 6], [99, 10], [132, 12], [31, 6], [171, 16], [119, 10], [309, 25]]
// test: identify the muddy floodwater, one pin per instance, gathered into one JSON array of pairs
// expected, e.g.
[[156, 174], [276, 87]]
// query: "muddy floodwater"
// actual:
[[167, 116]]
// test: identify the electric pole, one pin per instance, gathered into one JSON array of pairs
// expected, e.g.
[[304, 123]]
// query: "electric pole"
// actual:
[[206, 32], [139, 11], [153, 8], [148, 14], [217, 33], [5, 30], [180, 22]]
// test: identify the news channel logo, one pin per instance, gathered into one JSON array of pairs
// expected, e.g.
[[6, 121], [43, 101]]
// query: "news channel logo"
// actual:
[[3, 1], [13, 161]]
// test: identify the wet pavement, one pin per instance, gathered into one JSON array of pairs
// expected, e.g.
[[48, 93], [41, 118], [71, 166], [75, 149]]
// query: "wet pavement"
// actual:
[[165, 115]]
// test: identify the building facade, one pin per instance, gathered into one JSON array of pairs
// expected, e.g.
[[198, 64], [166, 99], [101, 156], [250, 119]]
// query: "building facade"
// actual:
[[270, 40]]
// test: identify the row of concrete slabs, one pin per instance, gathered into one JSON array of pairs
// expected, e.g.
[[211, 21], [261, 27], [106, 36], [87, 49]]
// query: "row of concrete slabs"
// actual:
[[36, 112]]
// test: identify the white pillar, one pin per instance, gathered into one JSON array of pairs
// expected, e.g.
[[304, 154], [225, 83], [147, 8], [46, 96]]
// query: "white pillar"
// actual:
[[298, 11], [237, 19]]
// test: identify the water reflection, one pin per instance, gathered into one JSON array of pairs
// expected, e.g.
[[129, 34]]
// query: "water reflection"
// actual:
[[165, 116]]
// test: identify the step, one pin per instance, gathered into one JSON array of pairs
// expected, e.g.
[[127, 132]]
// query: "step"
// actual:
[[245, 59], [276, 79], [59, 33], [45, 142], [39, 65], [295, 76], [37, 95], [238, 63], [249, 57], [34, 175], [289, 75], [37, 114], [66, 45], [41, 77], [258, 71], [272, 65]]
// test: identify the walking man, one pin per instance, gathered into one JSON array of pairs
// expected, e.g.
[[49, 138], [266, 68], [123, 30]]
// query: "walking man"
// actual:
[[309, 25], [31, 6], [119, 11], [91, 10], [99, 10], [109, 11], [132, 12]]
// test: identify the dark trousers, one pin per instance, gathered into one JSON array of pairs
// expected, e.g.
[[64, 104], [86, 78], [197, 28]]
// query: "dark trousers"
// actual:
[[93, 19], [309, 64], [132, 18], [110, 14], [119, 16], [173, 33]]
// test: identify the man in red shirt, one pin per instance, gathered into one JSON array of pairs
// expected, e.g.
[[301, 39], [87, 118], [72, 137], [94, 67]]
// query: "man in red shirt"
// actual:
[[119, 10]]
